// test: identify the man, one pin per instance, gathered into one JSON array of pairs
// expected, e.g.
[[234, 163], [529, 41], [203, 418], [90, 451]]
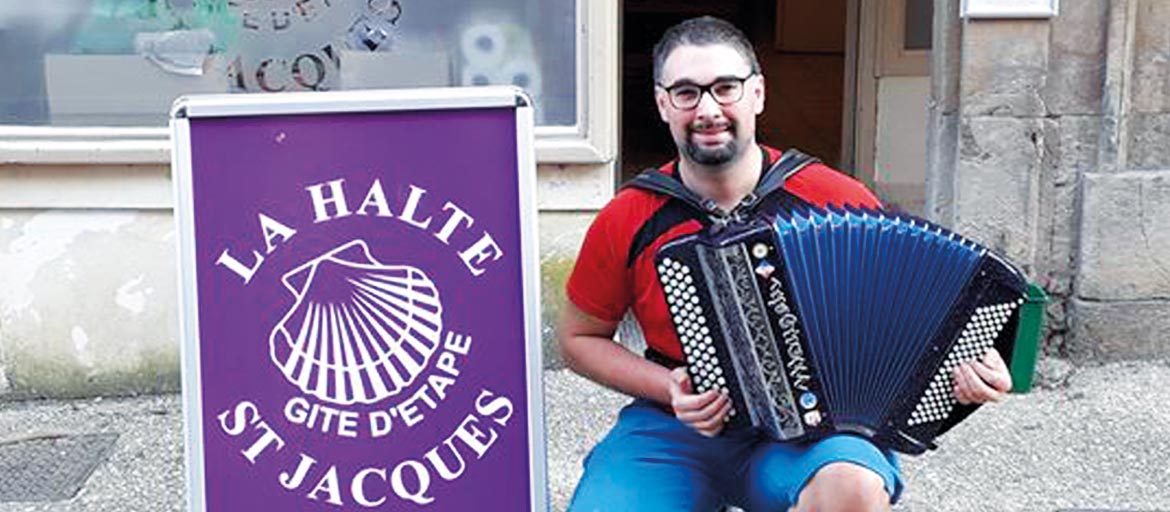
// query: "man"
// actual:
[[668, 450]]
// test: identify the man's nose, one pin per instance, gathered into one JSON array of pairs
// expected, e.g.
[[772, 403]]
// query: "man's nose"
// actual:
[[707, 105]]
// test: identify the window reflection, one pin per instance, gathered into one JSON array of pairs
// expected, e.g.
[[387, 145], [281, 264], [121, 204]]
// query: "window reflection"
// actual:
[[122, 62]]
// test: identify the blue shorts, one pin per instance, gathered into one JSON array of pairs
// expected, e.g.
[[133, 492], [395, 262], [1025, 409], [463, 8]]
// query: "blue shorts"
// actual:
[[650, 461]]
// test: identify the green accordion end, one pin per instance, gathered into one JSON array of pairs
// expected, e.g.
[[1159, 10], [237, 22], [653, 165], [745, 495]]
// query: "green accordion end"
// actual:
[[1028, 336]]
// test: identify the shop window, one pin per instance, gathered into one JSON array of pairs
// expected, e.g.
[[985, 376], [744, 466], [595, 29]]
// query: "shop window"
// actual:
[[121, 63]]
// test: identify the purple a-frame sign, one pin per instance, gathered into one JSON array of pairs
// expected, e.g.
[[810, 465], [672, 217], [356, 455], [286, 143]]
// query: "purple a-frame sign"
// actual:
[[359, 301]]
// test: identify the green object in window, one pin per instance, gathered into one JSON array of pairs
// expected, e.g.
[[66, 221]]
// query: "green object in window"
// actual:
[[1028, 335], [214, 15], [111, 25]]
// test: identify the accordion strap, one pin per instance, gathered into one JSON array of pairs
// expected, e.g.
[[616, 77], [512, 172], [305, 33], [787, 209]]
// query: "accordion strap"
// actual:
[[789, 163], [655, 180], [662, 359], [771, 181]]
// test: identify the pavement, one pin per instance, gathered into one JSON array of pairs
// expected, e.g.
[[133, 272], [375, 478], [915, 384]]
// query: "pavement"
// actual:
[[1101, 442]]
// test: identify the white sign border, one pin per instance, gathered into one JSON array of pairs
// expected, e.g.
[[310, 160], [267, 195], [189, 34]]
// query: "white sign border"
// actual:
[[229, 105]]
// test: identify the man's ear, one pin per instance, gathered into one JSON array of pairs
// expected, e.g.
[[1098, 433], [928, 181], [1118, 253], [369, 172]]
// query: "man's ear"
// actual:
[[662, 100], [757, 92]]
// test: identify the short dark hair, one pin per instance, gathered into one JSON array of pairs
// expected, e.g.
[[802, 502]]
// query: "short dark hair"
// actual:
[[703, 31]]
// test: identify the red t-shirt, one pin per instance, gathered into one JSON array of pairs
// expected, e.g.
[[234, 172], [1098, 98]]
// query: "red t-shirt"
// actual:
[[608, 280]]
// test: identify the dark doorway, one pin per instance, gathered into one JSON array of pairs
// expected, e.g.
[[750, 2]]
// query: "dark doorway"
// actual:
[[801, 48]]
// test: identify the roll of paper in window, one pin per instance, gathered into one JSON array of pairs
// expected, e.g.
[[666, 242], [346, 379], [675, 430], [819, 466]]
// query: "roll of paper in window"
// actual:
[[523, 73], [477, 75], [484, 45]]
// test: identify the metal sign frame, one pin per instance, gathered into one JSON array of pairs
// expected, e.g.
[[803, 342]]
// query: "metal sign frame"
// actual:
[[193, 108]]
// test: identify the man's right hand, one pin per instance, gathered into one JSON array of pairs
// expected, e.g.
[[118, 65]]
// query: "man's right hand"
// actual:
[[705, 412]]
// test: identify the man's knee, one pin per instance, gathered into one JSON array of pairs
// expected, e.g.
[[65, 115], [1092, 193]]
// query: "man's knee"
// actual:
[[843, 486]]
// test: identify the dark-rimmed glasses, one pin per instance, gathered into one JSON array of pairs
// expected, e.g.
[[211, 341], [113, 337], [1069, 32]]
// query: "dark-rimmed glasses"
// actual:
[[724, 90]]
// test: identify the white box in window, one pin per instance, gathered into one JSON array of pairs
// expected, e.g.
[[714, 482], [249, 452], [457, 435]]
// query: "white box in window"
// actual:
[[378, 70], [120, 90]]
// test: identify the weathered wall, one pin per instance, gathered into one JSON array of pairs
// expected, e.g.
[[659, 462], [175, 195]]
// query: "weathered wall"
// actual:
[[88, 302], [1050, 144]]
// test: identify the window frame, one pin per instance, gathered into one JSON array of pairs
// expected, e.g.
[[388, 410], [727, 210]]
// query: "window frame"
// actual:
[[591, 141]]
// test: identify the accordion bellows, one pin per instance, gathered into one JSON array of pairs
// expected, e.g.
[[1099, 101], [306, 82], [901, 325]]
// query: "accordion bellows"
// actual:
[[839, 320]]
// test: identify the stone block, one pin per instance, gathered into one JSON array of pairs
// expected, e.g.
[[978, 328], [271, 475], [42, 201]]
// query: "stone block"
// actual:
[[1148, 141], [1125, 237], [89, 302], [1076, 72], [1114, 331], [1150, 79], [997, 181], [1005, 68]]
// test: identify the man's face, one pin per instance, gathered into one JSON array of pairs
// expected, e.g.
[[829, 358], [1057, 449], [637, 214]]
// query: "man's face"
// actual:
[[710, 134]]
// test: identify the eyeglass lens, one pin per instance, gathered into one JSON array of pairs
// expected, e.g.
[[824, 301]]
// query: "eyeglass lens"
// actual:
[[724, 92]]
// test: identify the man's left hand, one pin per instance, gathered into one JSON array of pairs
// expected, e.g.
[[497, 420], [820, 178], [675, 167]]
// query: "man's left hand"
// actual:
[[981, 381]]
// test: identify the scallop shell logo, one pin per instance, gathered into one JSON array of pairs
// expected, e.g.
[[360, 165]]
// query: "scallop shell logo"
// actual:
[[360, 331]]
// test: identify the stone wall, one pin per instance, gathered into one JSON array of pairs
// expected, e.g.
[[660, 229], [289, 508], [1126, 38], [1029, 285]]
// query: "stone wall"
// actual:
[[1051, 144]]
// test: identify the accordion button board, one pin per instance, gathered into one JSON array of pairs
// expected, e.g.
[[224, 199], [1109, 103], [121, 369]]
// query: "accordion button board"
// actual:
[[831, 321]]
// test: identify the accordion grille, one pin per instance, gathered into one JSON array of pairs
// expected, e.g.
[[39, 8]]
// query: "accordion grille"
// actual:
[[977, 338]]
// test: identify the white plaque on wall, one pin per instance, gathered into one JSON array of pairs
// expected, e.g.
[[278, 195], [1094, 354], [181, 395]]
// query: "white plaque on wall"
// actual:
[[1010, 8]]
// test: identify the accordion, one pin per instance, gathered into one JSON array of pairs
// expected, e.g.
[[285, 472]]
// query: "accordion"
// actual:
[[816, 322]]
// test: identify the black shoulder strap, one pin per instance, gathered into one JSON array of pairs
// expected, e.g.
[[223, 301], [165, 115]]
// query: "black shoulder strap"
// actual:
[[789, 163], [770, 195], [685, 204], [657, 181]]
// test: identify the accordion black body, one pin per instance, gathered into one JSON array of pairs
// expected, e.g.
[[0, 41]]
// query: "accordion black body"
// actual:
[[818, 322]]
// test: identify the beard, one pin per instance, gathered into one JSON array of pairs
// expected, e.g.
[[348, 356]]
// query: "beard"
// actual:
[[711, 155]]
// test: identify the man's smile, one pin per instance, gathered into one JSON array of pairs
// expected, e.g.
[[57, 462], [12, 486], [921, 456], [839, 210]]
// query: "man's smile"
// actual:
[[706, 134]]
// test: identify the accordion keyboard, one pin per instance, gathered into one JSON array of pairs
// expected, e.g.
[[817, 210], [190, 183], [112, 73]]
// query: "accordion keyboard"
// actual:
[[693, 331], [978, 337]]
